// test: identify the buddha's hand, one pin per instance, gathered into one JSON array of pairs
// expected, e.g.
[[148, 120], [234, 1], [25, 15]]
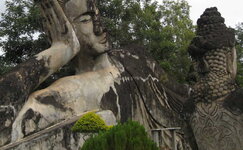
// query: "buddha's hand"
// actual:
[[57, 26]]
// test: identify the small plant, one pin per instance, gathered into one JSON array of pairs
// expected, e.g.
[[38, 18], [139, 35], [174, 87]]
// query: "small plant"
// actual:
[[90, 122], [128, 136]]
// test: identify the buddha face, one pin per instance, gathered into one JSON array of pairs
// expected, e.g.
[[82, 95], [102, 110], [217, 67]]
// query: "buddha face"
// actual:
[[85, 18]]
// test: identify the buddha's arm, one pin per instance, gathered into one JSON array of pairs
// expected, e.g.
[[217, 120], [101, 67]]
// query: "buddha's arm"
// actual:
[[65, 98], [65, 44], [24, 78]]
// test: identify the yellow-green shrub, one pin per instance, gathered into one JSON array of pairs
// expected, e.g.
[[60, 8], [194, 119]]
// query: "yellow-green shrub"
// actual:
[[90, 122]]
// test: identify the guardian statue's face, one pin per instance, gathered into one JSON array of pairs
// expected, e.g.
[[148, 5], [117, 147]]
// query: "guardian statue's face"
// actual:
[[85, 18]]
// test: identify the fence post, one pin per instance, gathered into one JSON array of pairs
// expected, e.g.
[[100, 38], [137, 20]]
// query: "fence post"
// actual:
[[157, 136]]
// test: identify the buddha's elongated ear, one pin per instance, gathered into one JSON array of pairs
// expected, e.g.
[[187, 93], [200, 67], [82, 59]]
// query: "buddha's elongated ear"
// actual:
[[231, 63]]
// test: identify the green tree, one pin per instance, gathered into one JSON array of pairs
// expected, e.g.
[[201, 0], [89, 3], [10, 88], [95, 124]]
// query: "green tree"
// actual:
[[4, 66], [20, 28], [164, 29], [239, 48], [127, 136], [178, 31]]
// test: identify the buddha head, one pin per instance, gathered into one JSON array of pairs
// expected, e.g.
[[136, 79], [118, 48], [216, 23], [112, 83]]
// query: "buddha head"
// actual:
[[85, 18]]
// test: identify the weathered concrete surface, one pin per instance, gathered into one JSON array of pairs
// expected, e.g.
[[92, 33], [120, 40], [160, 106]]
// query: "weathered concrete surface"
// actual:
[[17, 85], [15, 88], [60, 101], [58, 136], [142, 97], [216, 128], [129, 86]]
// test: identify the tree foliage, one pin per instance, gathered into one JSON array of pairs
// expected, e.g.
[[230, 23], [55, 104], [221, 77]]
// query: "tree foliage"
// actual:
[[165, 29], [4, 66], [20, 30], [239, 48], [127, 136]]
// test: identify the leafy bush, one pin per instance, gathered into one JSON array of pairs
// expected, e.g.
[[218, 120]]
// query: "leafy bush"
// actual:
[[89, 122], [127, 136]]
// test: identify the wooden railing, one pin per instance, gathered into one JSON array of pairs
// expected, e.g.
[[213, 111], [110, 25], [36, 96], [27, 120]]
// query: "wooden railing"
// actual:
[[157, 135], [42, 132]]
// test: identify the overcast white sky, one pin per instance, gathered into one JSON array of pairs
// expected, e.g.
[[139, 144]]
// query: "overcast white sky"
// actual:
[[2, 7], [231, 10]]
